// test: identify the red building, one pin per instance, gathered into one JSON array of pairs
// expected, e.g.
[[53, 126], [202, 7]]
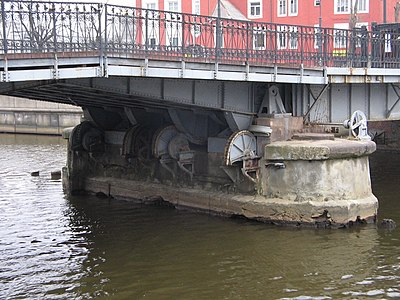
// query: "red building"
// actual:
[[331, 13], [288, 30]]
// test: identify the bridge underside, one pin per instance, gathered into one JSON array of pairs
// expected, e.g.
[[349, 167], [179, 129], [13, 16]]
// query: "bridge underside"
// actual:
[[239, 91]]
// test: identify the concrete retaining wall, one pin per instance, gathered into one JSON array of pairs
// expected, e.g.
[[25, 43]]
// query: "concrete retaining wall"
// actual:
[[18, 115]]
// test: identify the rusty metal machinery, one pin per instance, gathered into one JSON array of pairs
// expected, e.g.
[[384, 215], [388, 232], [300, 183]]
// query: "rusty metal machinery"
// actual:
[[87, 137], [241, 150], [170, 147], [357, 124]]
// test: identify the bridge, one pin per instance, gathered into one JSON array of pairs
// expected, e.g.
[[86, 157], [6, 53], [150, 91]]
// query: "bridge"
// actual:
[[63, 52], [181, 95]]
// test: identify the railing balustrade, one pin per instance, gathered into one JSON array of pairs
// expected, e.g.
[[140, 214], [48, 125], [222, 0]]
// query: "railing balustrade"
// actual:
[[30, 27]]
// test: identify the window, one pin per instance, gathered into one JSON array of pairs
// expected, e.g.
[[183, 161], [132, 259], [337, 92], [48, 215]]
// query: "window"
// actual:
[[340, 35], [173, 6], [293, 7], [282, 8], [361, 34], [342, 6], [281, 34], [259, 39], [363, 6], [317, 2], [255, 9], [388, 43], [293, 37], [317, 36], [173, 27], [196, 7], [153, 33], [150, 4]]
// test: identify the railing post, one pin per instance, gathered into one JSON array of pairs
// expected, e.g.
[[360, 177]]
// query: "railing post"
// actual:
[[277, 43], [54, 28], [302, 37], [3, 21], [324, 46], [247, 43], [218, 32], [146, 26], [183, 34], [105, 42]]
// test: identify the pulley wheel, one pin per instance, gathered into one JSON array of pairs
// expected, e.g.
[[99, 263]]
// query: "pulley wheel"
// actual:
[[357, 120], [178, 144], [161, 140], [241, 146]]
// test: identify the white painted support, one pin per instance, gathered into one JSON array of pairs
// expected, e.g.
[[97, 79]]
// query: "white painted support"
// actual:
[[56, 74], [48, 74]]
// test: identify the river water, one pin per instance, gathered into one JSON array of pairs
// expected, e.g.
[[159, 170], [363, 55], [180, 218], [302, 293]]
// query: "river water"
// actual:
[[55, 247]]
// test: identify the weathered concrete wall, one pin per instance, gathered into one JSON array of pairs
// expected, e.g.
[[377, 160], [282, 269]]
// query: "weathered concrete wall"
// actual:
[[332, 175], [18, 115]]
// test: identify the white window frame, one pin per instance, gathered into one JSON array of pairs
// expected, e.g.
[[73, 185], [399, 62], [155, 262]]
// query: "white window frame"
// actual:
[[196, 7], [154, 28], [359, 25], [281, 36], [317, 2], [363, 6], [249, 7], [293, 42], [293, 8], [317, 33], [339, 33], [173, 30], [282, 12], [166, 5], [259, 33], [388, 44], [341, 3], [148, 3]]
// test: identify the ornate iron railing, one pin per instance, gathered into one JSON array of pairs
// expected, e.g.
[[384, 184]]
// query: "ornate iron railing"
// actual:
[[29, 27]]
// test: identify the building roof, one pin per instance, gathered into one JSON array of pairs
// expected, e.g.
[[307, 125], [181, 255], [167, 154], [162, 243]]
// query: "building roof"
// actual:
[[228, 11]]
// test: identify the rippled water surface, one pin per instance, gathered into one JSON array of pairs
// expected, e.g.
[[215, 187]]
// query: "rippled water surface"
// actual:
[[56, 247]]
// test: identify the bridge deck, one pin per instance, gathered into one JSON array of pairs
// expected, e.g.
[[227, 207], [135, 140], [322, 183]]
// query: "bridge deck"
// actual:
[[34, 67]]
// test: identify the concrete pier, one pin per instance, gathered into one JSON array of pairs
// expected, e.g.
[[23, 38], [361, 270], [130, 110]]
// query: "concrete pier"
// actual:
[[313, 182], [320, 180]]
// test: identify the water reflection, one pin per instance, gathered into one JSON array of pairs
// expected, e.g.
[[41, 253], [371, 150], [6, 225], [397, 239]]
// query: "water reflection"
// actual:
[[87, 247]]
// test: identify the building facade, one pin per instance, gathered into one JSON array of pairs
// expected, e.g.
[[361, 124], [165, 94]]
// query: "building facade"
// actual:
[[328, 13]]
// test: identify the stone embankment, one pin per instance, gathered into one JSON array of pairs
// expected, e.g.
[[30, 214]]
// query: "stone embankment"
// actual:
[[19, 115]]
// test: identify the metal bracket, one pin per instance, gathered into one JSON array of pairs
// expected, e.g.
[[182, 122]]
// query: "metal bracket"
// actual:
[[182, 70], [398, 100], [216, 71], [145, 67], [5, 75], [315, 99], [56, 73]]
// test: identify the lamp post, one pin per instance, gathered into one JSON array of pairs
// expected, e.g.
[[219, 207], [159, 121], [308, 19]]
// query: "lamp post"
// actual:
[[320, 32], [384, 11]]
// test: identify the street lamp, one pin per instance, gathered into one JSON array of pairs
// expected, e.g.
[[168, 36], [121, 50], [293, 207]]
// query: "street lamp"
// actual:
[[320, 32], [384, 11]]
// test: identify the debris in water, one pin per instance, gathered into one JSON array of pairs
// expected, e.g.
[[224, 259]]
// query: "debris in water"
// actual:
[[388, 224], [55, 175]]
